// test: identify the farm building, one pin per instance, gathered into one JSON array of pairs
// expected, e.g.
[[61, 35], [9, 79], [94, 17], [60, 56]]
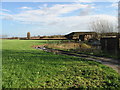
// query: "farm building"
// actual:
[[110, 44], [81, 35]]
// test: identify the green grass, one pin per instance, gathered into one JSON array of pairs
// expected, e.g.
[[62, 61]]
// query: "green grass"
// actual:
[[25, 67]]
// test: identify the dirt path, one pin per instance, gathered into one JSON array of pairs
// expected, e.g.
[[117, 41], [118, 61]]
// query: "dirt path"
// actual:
[[106, 61]]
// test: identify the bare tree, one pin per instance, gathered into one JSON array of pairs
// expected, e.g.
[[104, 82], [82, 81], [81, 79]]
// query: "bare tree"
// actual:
[[102, 26]]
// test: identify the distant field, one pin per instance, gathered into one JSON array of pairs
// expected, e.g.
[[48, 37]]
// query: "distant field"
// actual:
[[25, 67]]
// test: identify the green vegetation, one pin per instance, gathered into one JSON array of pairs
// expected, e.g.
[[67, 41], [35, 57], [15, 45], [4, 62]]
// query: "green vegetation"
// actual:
[[0, 64], [25, 67], [83, 47], [68, 45]]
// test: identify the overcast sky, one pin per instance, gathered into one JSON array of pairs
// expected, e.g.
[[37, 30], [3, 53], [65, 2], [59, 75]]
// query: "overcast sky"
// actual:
[[53, 18]]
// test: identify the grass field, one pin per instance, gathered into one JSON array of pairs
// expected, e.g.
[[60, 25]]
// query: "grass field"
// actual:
[[25, 67]]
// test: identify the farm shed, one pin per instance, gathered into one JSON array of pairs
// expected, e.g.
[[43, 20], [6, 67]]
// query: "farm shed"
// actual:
[[81, 35]]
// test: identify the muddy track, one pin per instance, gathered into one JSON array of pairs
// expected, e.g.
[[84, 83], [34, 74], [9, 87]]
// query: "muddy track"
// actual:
[[106, 61]]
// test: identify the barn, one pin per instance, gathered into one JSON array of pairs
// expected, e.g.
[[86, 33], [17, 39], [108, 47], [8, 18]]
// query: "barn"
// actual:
[[81, 35]]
